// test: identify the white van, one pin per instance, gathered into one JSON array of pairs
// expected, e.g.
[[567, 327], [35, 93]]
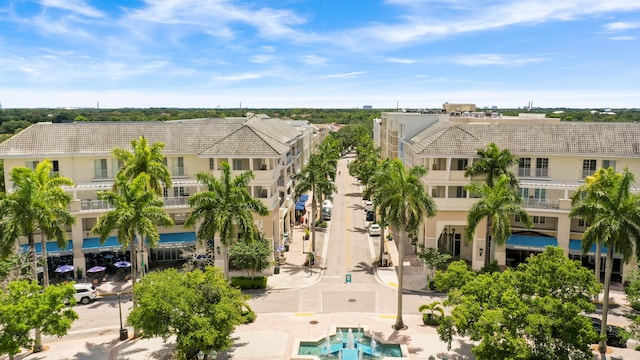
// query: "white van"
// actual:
[[327, 208]]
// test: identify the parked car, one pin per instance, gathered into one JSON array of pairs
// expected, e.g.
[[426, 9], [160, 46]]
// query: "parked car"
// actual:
[[370, 216], [375, 230], [85, 293], [615, 335], [368, 205]]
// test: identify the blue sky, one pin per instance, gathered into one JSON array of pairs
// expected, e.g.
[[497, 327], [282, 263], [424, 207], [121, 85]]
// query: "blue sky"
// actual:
[[319, 53]]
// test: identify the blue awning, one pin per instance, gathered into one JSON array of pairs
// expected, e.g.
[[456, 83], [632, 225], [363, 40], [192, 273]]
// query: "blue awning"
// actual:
[[299, 205], [530, 243], [303, 198], [93, 245], [575, 247], [177, 239], [52, 248]]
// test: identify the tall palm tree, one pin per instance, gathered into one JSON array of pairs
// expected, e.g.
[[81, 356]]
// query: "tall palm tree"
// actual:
[[497, 204], [405, 203], [598, 182], [373, 184], [615, 222], [225, 209], [144, 158], [37, 203], [493, 162], [315, 177], [136, 214]]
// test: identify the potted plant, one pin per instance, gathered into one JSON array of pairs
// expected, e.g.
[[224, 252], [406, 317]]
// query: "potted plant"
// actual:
[[307, 233], [79, 272], [432, 313]]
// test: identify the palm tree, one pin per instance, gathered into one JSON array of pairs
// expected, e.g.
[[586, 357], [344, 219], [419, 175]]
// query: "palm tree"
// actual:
[[226, 209], [144, 158], [493, 162], [405, 203], [315, 178], [593, 184], [615, 222], [374, 182], [37, 203], [136, 214], [497, 204]]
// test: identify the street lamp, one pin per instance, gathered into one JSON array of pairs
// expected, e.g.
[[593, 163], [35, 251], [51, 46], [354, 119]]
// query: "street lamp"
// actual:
[[124, 333]]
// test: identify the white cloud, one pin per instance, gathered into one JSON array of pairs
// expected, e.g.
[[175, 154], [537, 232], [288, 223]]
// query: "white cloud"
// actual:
[[261, 59], [401, 61], [620, 26], [622, 38], [344, 75], [238, 77], [313, 60], [488, 59], [76, 6]]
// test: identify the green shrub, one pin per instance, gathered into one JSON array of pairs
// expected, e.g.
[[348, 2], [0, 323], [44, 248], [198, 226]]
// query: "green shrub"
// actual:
[[243, 282], [491, 268], [249, 316]]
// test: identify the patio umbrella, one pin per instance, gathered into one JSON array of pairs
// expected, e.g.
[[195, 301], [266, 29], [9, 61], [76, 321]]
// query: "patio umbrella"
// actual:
[[64, 268], [96, 269], [122, 264]]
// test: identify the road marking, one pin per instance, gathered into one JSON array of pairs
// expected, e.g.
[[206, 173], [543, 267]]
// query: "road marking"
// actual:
[[304, 314], [348, 226], [393, 284], [333, 277], [387, 316]]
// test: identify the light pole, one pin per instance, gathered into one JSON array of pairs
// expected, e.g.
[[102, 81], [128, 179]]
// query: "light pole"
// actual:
[[124, 333]]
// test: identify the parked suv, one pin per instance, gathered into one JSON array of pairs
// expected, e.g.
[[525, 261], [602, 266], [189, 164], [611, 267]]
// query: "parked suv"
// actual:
[[85, 293], [615, 334]]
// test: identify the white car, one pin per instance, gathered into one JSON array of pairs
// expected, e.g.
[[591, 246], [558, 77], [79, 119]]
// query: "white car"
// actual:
[[368, 205], [85, 293], [375, 230]]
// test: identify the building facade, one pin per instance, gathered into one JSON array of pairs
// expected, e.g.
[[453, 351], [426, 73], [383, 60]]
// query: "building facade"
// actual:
[[554, 159], [272, 149]]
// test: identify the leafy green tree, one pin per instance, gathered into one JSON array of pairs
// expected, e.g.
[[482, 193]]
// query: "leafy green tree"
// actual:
[[405, 203], [433, 258], [455, 277], [225, 209], [37, 203], [531, 312], [432, 313], [492, 164], [632, 290], [199, 307], [253, 256], [614, 221], [497, 204], [25, 305], [315, 177]]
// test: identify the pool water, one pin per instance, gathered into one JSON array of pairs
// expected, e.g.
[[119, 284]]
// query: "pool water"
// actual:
[[340, 341]]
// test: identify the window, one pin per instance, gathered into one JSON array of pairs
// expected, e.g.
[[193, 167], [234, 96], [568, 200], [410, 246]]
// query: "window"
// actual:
[[100, 169], [588, 168], [55, 166], [237, 164], [583, 223], [31, 164], [609, 164], [542, 167], [524, 167], [177, 166], [460, 164], [212, 164], [460, 192], [539, 220], [179, 191]]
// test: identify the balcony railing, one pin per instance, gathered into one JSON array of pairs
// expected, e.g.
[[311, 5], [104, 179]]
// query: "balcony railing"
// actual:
[[94, 205], [540, 204], [176, 201]]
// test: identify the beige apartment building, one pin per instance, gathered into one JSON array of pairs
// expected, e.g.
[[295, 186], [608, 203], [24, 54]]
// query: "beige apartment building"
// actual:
[[272, 149], [554, 159]]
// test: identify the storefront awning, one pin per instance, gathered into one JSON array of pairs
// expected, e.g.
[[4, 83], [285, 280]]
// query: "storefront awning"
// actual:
[[303, 198], [299, 205], [530, 243], [90, 245], [52, 248], [575, 247], [176, 239]]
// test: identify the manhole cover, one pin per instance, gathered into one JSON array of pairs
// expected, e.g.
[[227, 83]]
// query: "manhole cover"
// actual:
[[313, 322], [352, 300]]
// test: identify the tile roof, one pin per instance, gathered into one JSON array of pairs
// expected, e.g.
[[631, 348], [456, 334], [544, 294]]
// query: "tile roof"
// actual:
[[90, 138], [446, 138], [248, 142]]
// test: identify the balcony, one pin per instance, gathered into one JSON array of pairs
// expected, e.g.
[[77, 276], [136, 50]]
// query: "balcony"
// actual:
[[540, 204], [94, 205], [179, 201], [179, 171]]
